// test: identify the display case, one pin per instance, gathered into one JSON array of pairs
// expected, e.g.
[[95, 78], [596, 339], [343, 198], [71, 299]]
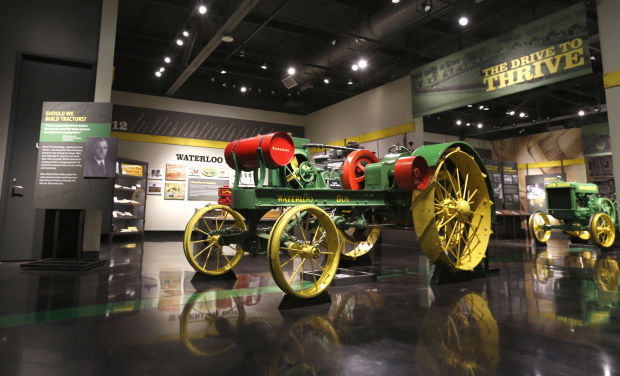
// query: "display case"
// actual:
[[129, 199]]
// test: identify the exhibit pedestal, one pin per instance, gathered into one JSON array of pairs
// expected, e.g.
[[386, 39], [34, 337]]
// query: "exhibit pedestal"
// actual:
[[199, 277], [62, 250], [292, 302], [442, 275]]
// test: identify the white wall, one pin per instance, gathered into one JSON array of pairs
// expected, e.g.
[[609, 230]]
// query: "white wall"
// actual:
[[167, 215], [193, 107], [382, 107]]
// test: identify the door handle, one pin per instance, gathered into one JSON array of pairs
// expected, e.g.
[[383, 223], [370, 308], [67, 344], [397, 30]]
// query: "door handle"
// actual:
[[17, 190]]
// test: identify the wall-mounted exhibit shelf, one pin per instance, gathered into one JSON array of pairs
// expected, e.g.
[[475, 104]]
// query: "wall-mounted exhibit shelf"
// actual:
[[129, 199]]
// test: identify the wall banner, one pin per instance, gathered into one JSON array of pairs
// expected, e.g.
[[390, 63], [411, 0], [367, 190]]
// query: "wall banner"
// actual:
[[551, 49], [75, 156], [186, 125]]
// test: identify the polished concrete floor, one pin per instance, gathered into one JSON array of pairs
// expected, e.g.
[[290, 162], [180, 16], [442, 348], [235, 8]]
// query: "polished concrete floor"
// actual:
[[546, 311]]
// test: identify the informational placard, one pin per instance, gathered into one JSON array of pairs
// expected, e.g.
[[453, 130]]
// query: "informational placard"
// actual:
[[510, 184], [131, 169], [200, 189], [551, 49], [66, 130], [175, 171], [495, 175], [155, 187], [174, 191]]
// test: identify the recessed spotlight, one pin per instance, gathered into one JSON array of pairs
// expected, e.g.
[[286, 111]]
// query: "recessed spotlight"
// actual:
[[355, 67], [395, 1], [180, 42], [185, 33], [350, 82], [243, 89], [161, 69], [334, 42], [479, 125], [458, 122], [470, 105], [362, 63], [592, 57], [167, 60], [290, 71], [212, 79], [481, 107], [597, 109], [427, 6], [228, 38], [463, 21], [522, 114], [202, 9], [273, 92], [234, 86], [223, 71], [224, 84], [468, 124], [581, 113], [511, 113], [486, 108], [263, 66], [158, 74], [326, 80]]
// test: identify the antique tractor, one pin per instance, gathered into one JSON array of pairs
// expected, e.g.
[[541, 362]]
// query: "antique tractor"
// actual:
[[441, 189], [583, 214]]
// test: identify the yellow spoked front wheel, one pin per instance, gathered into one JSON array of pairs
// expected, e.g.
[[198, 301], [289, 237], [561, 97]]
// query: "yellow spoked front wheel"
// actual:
[[606, 274], [537, 226], [209, 325], [355, 243], [602, 230], [205, 244], [303, 251], [452, 217]]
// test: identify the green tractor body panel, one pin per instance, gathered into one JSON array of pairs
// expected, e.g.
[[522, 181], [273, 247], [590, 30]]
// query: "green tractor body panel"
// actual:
[[574, 202]]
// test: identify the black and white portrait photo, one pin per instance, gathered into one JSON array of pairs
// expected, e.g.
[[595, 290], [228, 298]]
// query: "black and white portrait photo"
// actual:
[[100, 157]]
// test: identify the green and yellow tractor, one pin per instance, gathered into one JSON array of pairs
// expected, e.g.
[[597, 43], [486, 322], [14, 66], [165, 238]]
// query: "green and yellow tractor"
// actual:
[[441, 191], [583, 214]]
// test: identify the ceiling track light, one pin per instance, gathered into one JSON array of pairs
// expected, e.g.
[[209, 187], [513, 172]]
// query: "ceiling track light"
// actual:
[[223, 71], [263, 66], [350, 82], [463, 21], [157, 74], [427, 6], [581, 113], [290, 71], [185, 33], [202, 9], [362, 63], [326, 80], [355, 67], [180, 42], [167, 60]]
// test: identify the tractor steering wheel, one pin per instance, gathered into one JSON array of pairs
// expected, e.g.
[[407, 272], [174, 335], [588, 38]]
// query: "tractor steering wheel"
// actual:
[[402, 149]]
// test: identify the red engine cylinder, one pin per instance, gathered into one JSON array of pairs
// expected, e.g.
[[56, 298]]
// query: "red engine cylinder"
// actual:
[[277, 148], [411, 173]]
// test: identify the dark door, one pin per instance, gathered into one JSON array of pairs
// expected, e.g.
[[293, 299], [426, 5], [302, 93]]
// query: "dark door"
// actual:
[[37, 80]]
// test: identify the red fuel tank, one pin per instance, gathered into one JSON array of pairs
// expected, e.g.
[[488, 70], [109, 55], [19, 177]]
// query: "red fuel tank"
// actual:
[[277, 148], [411, 173]]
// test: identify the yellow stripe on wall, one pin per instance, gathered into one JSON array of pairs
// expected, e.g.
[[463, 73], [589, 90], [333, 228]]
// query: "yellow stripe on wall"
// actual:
[[372, 136], [566, 162], [169, 140], [611, 79]]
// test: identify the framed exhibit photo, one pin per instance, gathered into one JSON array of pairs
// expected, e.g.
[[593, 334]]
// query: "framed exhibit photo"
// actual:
[[156, 173], [174, 191], [175, 172], [155, 188], [100, 157]]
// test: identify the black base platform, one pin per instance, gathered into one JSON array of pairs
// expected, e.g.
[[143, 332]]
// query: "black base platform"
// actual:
[[363, 260], [65, 264], [292, 302], [199, 277], [442, 276]]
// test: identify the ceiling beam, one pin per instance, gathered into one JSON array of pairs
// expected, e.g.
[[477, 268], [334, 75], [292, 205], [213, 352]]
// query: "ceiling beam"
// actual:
[[244, 8]]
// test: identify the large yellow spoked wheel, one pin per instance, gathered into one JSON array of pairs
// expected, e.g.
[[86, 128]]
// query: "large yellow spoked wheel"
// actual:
[[209, 325], [606, 274], [536, 225], [308, 346], [355, 243], [303, 242], [452, 217], [202, 243], [602, 230]]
